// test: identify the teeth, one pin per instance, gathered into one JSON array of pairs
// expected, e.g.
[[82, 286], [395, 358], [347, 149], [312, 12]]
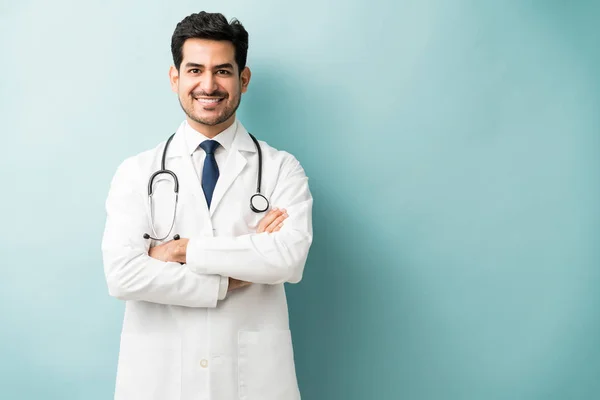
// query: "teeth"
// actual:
[[208, 101]]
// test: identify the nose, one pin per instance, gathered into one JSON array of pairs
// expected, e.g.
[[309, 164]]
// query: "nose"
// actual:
[[208, 83]]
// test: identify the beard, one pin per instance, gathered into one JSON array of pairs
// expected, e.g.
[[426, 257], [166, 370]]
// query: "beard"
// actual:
[[224, 115]]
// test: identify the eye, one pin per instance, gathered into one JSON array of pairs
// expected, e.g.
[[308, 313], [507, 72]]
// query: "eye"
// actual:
[[194, 70], [223, 72]]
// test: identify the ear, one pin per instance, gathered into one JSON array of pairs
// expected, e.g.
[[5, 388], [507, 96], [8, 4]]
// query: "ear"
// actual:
[[245, 78], [174, 79]]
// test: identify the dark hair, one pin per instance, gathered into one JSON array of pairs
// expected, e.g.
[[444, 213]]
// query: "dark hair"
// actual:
[[213, 26]]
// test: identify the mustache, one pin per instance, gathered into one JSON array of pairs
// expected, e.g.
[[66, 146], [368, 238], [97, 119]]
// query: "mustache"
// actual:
[[213, 94]]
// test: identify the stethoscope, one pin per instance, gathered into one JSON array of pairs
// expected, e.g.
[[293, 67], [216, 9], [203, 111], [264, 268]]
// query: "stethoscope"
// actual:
[[258, 202]]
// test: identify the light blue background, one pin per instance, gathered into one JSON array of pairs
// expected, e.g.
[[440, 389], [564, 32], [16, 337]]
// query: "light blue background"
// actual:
[[452, 148]]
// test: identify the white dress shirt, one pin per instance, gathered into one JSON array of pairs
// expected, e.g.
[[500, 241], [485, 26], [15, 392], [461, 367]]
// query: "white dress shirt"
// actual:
[[193, 139]]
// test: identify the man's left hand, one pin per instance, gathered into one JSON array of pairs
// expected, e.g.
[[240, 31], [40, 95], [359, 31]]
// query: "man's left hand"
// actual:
[[172, 251]]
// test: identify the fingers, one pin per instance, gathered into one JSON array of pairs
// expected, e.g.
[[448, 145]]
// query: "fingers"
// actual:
[[277, 223], [267, 219], [233, 284], [237, 284], [268, 222]]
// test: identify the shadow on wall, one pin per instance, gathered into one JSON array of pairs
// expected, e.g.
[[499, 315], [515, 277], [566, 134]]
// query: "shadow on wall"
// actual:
[[341, 312]]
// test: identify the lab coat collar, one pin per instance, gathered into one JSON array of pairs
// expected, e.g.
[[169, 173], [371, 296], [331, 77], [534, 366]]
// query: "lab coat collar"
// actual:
[[240, 140], [229, 171], [193, 138]]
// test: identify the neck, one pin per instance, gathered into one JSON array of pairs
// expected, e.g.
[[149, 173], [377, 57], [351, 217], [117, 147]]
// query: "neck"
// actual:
[[210, 131]]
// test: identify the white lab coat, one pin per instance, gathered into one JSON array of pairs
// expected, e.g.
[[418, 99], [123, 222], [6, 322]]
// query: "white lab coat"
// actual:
[[179, 341]]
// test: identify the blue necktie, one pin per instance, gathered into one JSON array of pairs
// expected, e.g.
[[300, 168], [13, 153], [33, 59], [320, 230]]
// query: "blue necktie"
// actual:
[[210, 172]]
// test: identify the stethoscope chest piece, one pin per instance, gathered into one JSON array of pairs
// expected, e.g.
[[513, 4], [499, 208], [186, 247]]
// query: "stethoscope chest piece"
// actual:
[[259, 203]]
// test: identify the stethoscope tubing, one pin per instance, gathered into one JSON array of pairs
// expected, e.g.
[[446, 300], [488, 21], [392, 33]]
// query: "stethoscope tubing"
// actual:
[[255, 206]]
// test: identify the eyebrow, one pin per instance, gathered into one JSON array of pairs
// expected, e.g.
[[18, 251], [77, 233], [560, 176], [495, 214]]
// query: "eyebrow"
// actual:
[[220, 66]]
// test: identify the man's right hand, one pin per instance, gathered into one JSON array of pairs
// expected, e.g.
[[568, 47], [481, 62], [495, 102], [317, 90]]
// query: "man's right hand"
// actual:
[[272, 222]]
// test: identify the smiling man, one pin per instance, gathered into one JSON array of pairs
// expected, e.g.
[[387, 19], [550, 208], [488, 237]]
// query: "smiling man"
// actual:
[[209, 93], [202, 265]]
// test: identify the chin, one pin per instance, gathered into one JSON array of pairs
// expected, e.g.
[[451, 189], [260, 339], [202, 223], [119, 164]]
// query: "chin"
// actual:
[[210, 120], [207, 121]]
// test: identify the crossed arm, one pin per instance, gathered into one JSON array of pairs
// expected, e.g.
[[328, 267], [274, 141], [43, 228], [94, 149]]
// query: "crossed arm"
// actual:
[[211, 265], [176, 250]]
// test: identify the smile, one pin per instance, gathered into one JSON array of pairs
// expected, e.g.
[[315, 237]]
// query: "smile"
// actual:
[[209, 101]]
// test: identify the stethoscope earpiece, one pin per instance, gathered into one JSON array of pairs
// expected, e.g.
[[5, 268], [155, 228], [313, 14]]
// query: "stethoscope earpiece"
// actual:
[[146, 236]]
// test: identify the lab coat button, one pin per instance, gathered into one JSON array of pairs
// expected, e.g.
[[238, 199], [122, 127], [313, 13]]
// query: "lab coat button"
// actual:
[[204, 363]]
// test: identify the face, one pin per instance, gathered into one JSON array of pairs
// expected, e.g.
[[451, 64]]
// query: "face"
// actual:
[[208, 84]]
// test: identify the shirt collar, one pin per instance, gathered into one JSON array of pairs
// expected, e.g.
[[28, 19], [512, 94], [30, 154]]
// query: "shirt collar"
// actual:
[[193, 138]]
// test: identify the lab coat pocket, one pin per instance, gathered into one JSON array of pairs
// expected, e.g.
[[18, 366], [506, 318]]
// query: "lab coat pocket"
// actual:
[[149, 367], [266, 368]]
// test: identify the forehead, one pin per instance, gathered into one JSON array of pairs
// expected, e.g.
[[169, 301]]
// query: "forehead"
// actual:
[[208, 52]]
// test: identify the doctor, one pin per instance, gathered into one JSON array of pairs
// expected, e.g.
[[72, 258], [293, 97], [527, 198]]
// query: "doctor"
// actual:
[[206, 315]]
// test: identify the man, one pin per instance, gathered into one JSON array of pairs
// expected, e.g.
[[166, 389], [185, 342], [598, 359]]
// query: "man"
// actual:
[[206, 315]]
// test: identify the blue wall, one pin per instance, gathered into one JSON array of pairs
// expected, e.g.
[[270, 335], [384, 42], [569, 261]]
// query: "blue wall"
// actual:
[[453, 154]]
